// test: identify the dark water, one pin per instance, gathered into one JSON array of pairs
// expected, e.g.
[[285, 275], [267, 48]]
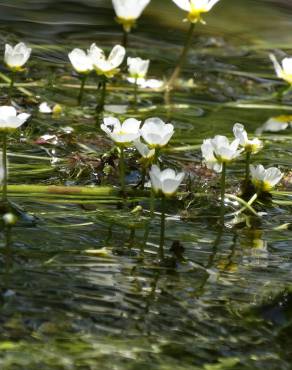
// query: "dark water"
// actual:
[[77, 289]]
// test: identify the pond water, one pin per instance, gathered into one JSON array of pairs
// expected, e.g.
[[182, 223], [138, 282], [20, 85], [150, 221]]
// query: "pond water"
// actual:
[[79, 289]]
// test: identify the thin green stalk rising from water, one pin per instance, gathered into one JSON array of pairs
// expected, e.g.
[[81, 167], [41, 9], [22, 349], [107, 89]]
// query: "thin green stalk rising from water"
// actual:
[[223, 188], [247, 164], [122, 170], [182, 58], [4, 165], [101, 102], [162, 229], [81, 91], [136, 92], [11, 86]]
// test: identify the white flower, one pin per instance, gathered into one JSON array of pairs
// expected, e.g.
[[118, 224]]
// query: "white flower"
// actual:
[[165, 182], [275, 124], [9, 120], [265, 179], [195, 8], [156, 133], [138, 67], [107, 66], [144, 150], [128, 11], [45, 108], [15, 57], [251, 146], [146, 84], [122, 134], [219, 150], [209, 158], [283, 71], [225, 151], [80, 61]]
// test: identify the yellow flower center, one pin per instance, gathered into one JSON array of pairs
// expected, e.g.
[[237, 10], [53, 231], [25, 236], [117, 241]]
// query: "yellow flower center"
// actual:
[[109, 74], [287, 77], [263, 186], [15, 69], [127, 23], [252, 148], [195, 13]]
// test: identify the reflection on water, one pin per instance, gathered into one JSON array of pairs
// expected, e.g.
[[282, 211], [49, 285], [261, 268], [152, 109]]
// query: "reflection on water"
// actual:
[[79, 289]]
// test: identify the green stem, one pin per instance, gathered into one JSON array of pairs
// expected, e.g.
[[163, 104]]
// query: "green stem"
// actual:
[[81, 91], [182, 57], [143, 177], [247, 163], [125, 38], [4, 165], [162, 229], [83, 191], [152, 207], [156, 155], [122, 170], [246, 205], [223, 186], [100, 105], [12, 80], [136, 92]]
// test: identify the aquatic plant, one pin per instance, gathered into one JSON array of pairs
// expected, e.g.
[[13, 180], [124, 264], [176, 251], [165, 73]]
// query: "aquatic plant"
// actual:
[[250, 146], [15, 57], [83, 65], [165, 184], [147, 157], [123, 135], [217, 153], [283, 70], [127, 12], [137, 69], [156, 133], [106, 67], [144, 150], [264, 180], [9, 122], [195, 9]]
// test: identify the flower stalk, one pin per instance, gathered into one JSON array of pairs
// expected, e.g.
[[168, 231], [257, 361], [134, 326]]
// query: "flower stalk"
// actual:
[[143, 176], [11, 86], [246, 205], [4, 165], [156, 156], [247, 170], [81, 91], [223, 187], [151, 216], [101, 102], [125, 38], [182, 57], [136, 92], [162, 229], [122, 170]]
